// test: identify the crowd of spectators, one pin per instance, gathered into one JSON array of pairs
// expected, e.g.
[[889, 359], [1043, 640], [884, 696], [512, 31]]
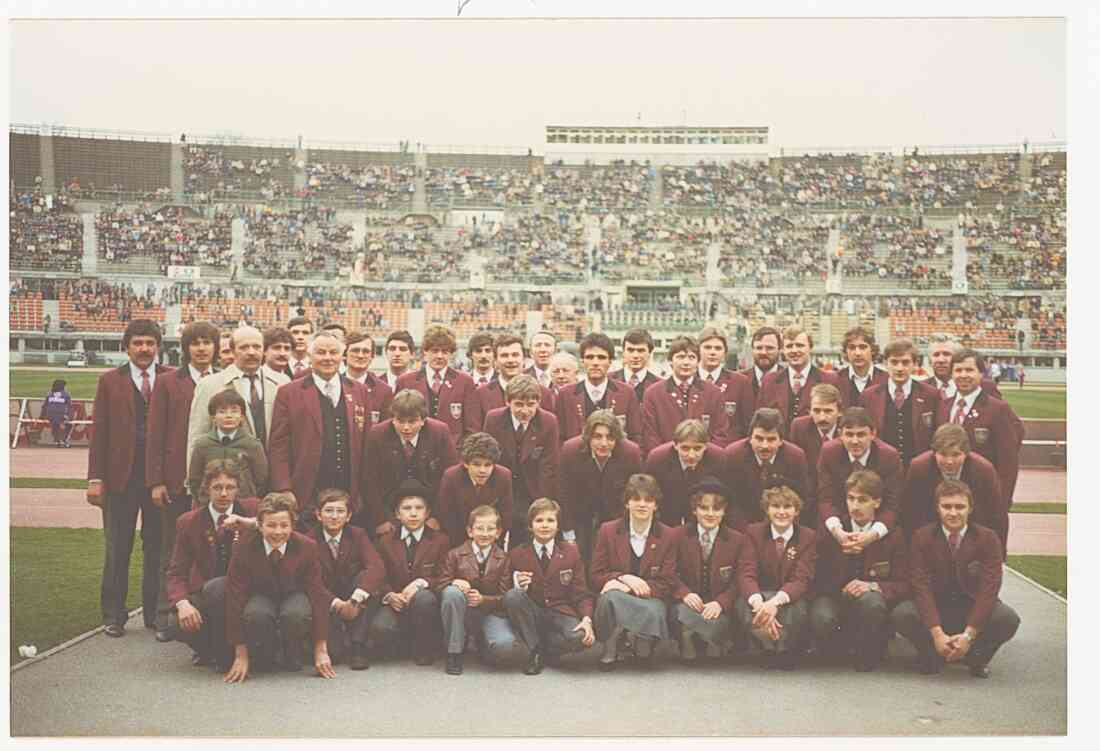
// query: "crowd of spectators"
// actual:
[[1047, 185], [410, 252], [43, 232], [1018, 252], [210, 174], [480, 186], [763, 249], [93, 303], [172, 235], [373, 187], [899, 248], [537, 248], [297, 243], [614, 186]]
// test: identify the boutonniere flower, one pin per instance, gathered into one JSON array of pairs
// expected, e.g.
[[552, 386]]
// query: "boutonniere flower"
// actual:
[[447, 384], [972, 413], [792, 553]]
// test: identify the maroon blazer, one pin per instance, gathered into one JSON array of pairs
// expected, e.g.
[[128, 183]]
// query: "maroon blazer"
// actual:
[[975, 570], [640, 389], [194, 559], [996, 433], [113, 447], [676, 484], [458, 496], [806, 436], [251, 573], [294, 439], [612, 556], [731, 561], [485, 399], [379, 395], [738, 399], [793, 575], [745, 479], [663, 412], [775, 391], [563, 587], [385, 466], [585, 491], [925, 403], [619, 398], [884, 562], [536, 462], [461, 563], [358, 565], [849, 394], [750, 373], [166, 431], [427, 563], [456, 390], [917, 500], [833, 468], [989, 386]]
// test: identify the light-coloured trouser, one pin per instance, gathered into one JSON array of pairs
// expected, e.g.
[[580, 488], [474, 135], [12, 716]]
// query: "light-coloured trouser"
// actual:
[[495, 637], [717, 632]]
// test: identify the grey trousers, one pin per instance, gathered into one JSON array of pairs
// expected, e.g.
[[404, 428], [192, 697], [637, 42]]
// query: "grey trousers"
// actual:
[[120, 513], [718, 632], [268, 623], [839, 621], [418, 622], [209, 640], [343, 635], [1000, 627], [794, 618], [495, 638], [542, 628]]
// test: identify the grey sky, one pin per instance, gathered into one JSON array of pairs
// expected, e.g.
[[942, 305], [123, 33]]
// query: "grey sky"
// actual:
[[482, 82]]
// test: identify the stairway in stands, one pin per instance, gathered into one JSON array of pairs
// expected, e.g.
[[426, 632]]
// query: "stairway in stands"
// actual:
[[420, 197], [657, 192]]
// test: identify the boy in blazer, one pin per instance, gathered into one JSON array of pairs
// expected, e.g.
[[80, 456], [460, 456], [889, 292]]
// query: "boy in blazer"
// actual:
[[549, 604], [737, 395], [679, 465], [413, 554], [358, 356], [788, 390], [509, 352], [478, 481], [860, 350], [711, 559], [638, 347], [904, 410], [858, 588], [471, 589], [445, 389], [760, 461], [228, 440], [955, 614], [352, 572], [275, 595], [813, 431], [195, 580], [774, 603], [684, 395], [576, 402]]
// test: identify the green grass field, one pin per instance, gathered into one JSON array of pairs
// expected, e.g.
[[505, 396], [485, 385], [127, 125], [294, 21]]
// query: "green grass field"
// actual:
[[1048, 570], [55, 577], [1036, 404], [1037, 508]]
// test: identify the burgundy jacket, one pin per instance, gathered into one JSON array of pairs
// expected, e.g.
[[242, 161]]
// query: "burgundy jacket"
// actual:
[[793, 575], [775, 391], [833, 468], [586, 492], [640, 389], [536, 462], [194, 559], [731, 562], [458, 496], [113, 445], [925, 403], [379, 395], [976, 569], [457, 389], [461, 563], [484, 399], [750, 373], [563, 587], [996, 433], [427, 562], [358, 565], [806, 436], [745, 479], [251, 573], [917, 499], [166, 431], [295, 438], [884, 562], [619, 398], [385, 466], [849, 394], [738, 399], [676, 484], [612, 556], [663, 412]]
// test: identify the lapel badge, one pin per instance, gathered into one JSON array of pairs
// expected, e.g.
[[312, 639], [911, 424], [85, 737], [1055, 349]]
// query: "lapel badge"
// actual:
[[731, 408], [622, 421], [926, 418], [360, 417], [706, 420], [981, 436], [374, 415], [456, 410], [566, 576]]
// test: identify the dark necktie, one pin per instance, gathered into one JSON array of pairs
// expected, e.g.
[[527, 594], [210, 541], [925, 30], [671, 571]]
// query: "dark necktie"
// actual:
[[780, 548], [707, 543], [960, 410], [146, 391], [257, 406], [410, 551], [437, 383], [334, 547], [544, 559], [222, 549], [685, 391], [953, 542], [521, 433], [899, 398], [409, 449]]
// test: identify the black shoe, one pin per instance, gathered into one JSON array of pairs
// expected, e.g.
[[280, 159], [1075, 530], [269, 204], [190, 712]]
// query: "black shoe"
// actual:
[[163, 636], [929, 665], [359, 659], [606, 667], [552, 659], [786, 660], [151, 625], [535, 663], [454, 664], [980, 671], [115, 630], [866, 666]]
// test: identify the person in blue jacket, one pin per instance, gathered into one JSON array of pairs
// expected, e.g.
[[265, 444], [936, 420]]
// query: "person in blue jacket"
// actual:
[[56, 410]]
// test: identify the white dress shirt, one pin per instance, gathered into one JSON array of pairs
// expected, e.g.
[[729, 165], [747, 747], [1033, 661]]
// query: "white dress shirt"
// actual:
[[135, 375]]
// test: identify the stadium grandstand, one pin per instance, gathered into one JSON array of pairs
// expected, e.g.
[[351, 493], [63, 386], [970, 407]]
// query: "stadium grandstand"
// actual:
[[636, 229]]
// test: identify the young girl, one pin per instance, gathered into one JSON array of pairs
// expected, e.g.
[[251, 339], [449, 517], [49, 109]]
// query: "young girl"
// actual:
[[634, 569]]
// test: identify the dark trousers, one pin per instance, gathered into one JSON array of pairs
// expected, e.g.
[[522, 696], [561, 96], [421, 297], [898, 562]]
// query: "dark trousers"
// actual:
[[793, 617], [419, 622], [584, 527], [521, 501], [120, 514], [209, 640], [344, 635], [839, 621], [1000, 627], [177, 506], [542, 628], [269, 623]]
